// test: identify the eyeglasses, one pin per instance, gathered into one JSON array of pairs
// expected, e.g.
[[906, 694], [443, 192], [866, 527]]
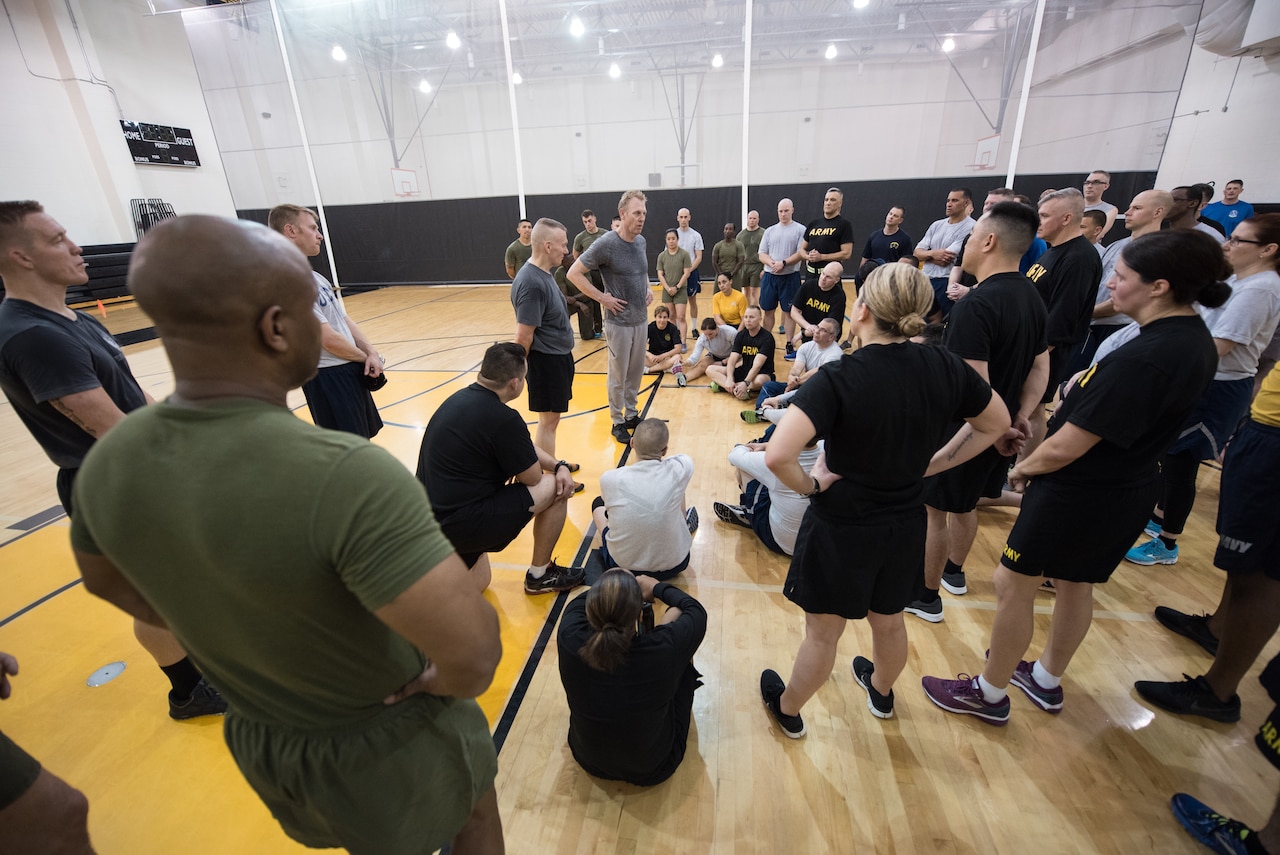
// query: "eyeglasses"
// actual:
[[1103, 183], [1234, 239]]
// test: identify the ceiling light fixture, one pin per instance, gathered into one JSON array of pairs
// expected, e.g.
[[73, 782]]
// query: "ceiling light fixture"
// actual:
[[614, 71], [424, 87], [600, 46], [831, 51], [338, 53], [516, 78], [419, 47], [861, 4], [576, 27], [902, 20], [453, 41], [949, 45], [717, 61]]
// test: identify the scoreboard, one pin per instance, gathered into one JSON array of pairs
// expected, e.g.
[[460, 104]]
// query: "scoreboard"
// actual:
[[162, 145]]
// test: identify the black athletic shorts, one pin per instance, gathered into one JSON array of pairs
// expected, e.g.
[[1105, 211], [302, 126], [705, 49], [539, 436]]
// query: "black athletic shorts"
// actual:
[[1248, 537], [849, 569], [958, 489], [550, 382], [338, 400], [488, 525], [1075, 533], [18, 771]]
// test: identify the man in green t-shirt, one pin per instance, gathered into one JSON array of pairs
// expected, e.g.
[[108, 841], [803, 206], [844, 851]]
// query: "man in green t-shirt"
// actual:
[[302, 568], [519, 250], [728, 257], [752, 268], [586, 237]]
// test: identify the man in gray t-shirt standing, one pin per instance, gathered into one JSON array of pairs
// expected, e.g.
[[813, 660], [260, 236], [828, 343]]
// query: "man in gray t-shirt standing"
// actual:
[[542, 329], [621, 258]]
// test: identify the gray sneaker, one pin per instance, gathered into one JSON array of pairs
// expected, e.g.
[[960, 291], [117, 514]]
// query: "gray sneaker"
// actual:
[[932, 612]]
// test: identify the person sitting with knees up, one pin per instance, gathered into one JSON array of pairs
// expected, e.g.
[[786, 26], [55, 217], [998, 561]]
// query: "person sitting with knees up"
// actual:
[[640, 513], [767, 506], [664, 347], [750, 364], [630, 693], [712, 348]]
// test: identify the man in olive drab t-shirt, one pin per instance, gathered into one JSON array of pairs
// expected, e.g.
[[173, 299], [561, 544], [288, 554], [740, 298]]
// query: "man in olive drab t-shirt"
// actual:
[[752, 268]]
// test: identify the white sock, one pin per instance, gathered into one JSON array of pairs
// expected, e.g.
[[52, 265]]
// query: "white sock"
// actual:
[[537, 571], [1044, 678], [990, 693]]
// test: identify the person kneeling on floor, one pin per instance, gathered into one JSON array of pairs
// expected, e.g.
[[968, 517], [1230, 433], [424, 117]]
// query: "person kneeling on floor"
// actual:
[[640, 513]]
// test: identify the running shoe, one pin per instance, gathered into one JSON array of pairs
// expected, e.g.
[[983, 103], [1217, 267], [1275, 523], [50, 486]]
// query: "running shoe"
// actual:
[[751, 417], [771, 689], [1222, 834], [732, 514], [1192, 696], [715, 387], [1194, 627], [954, 583], [1152, 552], [1153, 529], [678, 372], [932, 612], [556, 579], [621, 434], [881, 706], [691, 519], [203, 700], [1024, 677], [963, 696]]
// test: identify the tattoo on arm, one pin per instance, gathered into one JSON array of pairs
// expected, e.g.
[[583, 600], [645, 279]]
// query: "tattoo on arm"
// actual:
[[76, 420], [956, 450]]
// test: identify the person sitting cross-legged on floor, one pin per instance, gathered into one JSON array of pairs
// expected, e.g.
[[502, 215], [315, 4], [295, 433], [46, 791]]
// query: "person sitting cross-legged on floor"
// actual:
[[664, 347], [809, 357], [767, 506], [640, 513], [711, 348], [750, 364], [630, 692]]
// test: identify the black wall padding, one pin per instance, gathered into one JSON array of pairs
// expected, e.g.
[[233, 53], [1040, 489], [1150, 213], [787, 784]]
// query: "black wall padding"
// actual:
[[455, 241]]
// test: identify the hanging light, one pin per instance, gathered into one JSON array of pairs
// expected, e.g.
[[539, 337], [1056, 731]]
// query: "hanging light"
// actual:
[[949, 45], [717, 61], [517, 78], [453, 41], [831, 51], [614, 71], [861, 4], [424, 87], [576, 27], [338, 53]]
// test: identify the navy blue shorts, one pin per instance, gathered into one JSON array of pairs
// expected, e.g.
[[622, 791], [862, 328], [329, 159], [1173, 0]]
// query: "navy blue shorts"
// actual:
[[778, 289], [693, 285], [1248, 536], [1216, 417], [755, 499], [941, 302]]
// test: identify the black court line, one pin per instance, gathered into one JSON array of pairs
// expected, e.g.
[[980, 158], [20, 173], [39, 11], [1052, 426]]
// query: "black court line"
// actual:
[[544, 636], [39, 520], [49, 596]]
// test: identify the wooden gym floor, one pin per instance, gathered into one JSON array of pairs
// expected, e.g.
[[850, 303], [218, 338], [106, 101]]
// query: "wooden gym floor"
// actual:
[[1096, 778]]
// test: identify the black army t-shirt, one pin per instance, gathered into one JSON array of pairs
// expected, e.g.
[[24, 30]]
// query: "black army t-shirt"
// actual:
[[749, 346]]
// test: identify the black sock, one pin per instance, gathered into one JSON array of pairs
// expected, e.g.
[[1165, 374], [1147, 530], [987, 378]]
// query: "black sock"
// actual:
[[952, 567], [1253, 845], [183, 676], [1169, 542], [928, 595]]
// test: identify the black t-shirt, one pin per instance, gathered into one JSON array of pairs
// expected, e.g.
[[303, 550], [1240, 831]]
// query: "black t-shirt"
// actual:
[[826, 236], [662, 341], [749, 346], [888, 248], [621, 725], [1137, 399], [967, 279], [45, 356], [1067, 277], [473, 445], [1001, 323], [816, 304], [883, 411]]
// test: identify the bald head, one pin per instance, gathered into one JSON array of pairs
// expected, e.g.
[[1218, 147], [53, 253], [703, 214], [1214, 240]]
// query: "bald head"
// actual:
[[1147, 211], [230, 299], [830, 276]]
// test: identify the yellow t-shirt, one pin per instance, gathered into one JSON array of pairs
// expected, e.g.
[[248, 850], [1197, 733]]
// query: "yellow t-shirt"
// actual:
[[1266, 407], [730, 306]]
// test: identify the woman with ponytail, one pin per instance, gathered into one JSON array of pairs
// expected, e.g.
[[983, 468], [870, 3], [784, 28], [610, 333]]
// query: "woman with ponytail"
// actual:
[[1090, 484], [630, 691], [885, 412]]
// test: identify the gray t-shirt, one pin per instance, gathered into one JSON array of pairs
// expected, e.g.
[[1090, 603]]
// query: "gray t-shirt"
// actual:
[[944, 234], [1109, 259], [718, 345], [329, 311], [624, 267], [539, 304], [780, 243], [690, 241], [1249, 319]]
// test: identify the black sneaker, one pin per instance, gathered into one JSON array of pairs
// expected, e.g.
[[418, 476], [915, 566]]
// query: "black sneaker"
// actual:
[[932, 612], [204, 700], [691, 519], [881, 706], [1190, 697], [732, 514], [1047, 587], [771, 689], [954, 583], [1194, 627], [556, 579], [633, 422], [620, 433]]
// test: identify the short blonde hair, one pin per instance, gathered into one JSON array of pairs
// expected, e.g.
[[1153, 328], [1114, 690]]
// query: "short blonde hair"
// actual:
[[899, 297], [628, 196]]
